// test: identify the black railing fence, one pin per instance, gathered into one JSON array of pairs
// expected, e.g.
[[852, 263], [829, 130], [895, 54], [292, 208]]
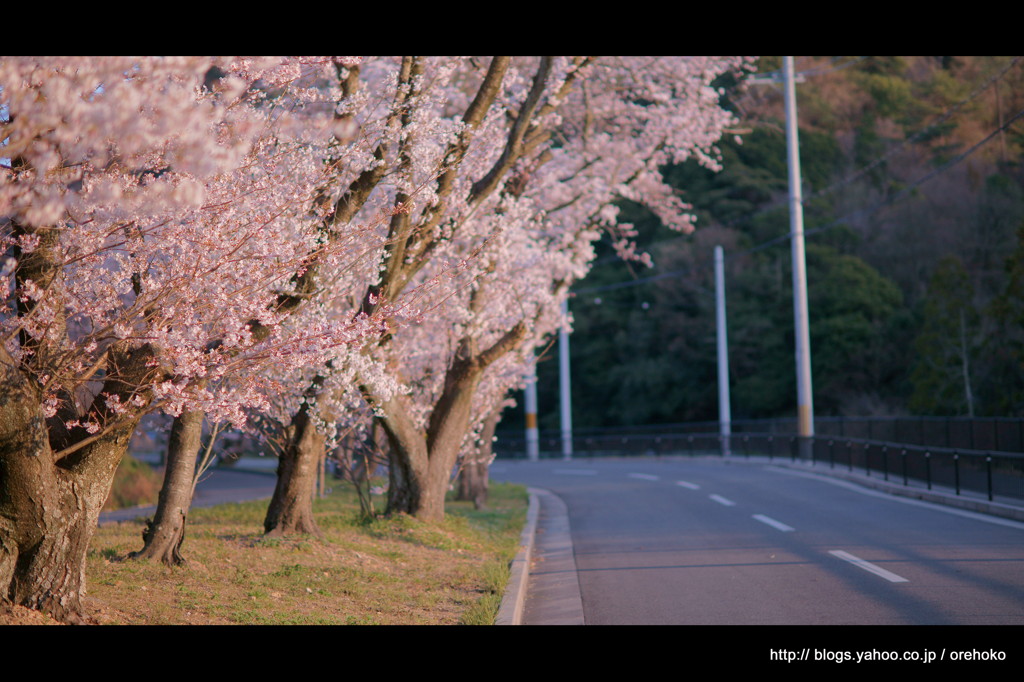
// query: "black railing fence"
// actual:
[[1004, 434], [891, 449]]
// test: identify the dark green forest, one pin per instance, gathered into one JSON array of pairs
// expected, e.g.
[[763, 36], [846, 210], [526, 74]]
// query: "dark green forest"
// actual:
[[914, 216]]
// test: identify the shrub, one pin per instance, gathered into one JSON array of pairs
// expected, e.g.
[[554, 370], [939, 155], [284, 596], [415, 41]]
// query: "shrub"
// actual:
[[135, 483]]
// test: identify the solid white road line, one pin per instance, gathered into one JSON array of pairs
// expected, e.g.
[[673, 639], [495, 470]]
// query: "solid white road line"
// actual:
[[687, 484], [868, 566], [577, 472], [778, 525], [721, 500], [646, 477]]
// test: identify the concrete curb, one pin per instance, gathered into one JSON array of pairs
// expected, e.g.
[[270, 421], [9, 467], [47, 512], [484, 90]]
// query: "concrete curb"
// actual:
[[512, 603], [202, 498]]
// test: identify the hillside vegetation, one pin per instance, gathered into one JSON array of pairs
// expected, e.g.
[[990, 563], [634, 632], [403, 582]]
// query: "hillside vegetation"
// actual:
[[914, 212]]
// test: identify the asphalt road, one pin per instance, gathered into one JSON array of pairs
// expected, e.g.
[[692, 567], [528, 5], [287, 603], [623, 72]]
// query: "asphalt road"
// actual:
[[709, 542]]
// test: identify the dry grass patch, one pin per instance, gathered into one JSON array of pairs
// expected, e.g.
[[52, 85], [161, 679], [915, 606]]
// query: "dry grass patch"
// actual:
[[386, 570]]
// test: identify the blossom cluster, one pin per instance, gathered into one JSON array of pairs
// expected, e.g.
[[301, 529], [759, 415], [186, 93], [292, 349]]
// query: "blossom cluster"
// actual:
[[266, 227], [582, 134], [167, 203]]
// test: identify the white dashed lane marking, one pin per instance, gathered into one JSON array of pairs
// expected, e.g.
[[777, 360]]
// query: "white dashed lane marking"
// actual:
[[868, 566], [778, 525]]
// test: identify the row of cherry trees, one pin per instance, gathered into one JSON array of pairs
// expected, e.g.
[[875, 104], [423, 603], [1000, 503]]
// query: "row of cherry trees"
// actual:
[[297, 242]]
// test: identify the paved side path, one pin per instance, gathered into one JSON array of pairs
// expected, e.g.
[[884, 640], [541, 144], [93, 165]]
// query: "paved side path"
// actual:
[[218, 487], [553, 595]]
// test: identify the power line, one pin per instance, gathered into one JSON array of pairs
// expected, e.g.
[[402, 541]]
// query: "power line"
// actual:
[[635, 282], [923, 179], [777, 75]]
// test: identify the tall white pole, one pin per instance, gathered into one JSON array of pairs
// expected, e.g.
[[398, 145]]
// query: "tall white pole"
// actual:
[[532, 435], [805, 403], [564, 387], [724, 411]]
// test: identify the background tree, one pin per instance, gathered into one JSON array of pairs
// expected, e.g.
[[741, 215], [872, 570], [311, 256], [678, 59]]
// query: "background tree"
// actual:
[[904, 162], [948, 344], [287, 183], [1006, 346]]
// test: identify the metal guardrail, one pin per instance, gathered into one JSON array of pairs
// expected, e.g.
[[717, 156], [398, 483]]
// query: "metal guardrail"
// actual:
[[986, 472], [999, 434]]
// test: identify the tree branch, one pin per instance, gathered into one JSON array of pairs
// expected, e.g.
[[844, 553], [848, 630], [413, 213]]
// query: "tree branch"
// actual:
[[513, 146]]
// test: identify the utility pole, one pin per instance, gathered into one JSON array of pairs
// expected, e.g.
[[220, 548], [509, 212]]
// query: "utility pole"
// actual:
[[724, 410], [564, 389], [532, 435], [805, 404]]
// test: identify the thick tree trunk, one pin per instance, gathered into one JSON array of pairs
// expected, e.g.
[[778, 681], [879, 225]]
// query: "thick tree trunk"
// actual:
[[49, 506], [48, 513], [421, 464], [165, 534], [415, 483], [408, 461], [419, 488], [291, 508]]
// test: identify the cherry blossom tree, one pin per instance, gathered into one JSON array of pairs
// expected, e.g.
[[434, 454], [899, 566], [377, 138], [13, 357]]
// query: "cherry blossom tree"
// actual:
[[158, 222], [191, 235], [340, 247], [506, 172]]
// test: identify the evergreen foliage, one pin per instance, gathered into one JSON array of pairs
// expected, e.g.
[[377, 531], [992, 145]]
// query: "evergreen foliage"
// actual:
[[915, 287]]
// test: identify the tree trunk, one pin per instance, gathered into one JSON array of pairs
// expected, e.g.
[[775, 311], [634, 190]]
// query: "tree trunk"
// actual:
[[965, 368], [165, 534], [473, 478], [473, 482], [291, 508], [408, 462], [416, 489], [415, 483], [421, 464], [48, 513], [49, 507]]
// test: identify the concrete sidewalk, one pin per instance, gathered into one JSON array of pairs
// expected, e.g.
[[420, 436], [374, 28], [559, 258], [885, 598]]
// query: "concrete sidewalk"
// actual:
[[544, 588]]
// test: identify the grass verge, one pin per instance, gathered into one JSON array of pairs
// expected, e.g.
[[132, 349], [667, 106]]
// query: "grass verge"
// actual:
[[394, 570]]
